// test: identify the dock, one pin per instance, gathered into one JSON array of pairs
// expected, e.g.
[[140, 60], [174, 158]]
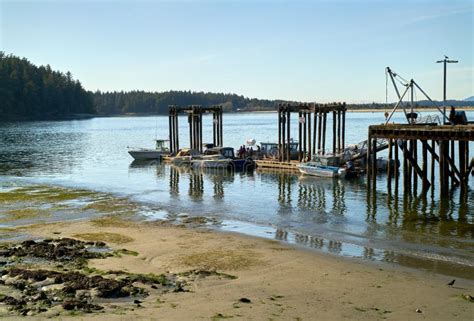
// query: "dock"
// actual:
[[441, 146]]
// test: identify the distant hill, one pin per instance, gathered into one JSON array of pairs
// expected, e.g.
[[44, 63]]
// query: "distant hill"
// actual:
[[469, 98]]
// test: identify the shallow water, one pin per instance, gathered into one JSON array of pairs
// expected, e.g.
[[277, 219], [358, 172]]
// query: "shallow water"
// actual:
[[335, 216]]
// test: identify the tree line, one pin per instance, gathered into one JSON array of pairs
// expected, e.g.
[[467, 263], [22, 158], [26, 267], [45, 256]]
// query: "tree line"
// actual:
[[31, 92], [140, 102]]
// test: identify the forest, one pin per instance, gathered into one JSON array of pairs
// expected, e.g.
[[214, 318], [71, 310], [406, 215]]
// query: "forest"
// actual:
[[31, 92]]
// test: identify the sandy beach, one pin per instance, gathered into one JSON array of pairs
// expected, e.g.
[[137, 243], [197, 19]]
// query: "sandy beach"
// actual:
[[270, 280]]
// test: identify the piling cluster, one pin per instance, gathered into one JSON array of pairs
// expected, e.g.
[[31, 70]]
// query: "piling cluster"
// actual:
[[310, 142], [194, 113], [442, 144]]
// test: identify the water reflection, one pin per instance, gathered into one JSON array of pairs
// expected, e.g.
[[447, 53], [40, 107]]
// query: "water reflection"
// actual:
[[198, 180]]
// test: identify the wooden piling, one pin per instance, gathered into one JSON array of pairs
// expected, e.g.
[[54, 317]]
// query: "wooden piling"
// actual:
[[308, 157], [334, 132], [320, 127], [424, 164], [300, 153], [396, 165], [288, 135], [325, 118], [390, 167], [304, 137]]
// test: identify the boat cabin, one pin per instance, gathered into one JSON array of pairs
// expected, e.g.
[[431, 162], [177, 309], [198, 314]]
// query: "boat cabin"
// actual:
[[160, 144], [271, 149], [227, 152]]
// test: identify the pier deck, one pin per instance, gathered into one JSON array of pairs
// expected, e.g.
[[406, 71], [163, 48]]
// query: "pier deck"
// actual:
[[445, 145]]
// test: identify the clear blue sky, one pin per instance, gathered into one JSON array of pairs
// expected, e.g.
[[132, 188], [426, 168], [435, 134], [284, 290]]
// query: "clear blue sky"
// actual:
[[298, 50]]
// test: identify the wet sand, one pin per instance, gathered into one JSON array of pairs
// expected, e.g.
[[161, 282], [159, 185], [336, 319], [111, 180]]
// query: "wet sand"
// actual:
[[274, 281]]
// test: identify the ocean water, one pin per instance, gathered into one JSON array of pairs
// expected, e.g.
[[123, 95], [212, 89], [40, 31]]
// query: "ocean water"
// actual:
[[335, 216]]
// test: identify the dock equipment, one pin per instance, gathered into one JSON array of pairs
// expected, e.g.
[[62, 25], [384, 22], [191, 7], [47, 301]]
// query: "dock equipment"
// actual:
[[195, 113]]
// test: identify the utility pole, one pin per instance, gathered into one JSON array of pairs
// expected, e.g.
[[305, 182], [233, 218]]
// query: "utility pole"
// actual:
[[445, 61]]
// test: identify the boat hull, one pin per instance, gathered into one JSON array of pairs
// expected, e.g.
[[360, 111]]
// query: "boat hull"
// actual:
[[145, 154], [220, 163], [322, 171]]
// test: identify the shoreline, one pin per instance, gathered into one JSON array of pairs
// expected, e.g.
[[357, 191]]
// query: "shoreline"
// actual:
[[92, 116], [281, 280]]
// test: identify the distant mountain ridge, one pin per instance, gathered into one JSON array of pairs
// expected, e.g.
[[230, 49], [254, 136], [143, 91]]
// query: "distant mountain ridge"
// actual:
[[469, 98]]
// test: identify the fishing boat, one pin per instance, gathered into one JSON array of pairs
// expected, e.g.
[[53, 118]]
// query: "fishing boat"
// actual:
[[315, 169], [148, 154]]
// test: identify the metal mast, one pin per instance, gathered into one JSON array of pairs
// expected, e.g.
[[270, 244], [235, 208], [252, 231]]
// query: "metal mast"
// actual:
[[445, 61]]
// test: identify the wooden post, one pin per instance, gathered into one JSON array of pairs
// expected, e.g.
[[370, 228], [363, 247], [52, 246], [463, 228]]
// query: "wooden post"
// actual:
[[406, 184], [396, 165], [288, 134], [214, 142], [425, 165], [368, 159], [466, 153], [374, 159], [462, 161], [300, 125], [221, 124], [170, 128], [453, 159], [283, 137], [344, 127], [325, 118], [334, 132], [176, 132], [410, 169], [442, 173], [415, 157], [433, 163], [315, 119], [320, 127], [309, 137], [339, 131], [304, 136], [200, 131], [389, 168], [280, 146]]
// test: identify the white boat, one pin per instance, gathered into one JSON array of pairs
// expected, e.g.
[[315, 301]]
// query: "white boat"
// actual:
[[146, 154], [315, 169]]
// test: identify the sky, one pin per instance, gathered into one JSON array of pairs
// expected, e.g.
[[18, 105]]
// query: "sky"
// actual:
[[294, 50]]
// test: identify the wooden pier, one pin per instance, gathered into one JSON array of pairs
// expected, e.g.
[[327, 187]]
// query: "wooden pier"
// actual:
[[195, 113], [444, 145], [310, 142]]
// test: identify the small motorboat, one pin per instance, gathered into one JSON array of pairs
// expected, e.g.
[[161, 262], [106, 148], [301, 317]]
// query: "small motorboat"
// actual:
[[315, 169], [160, 150]]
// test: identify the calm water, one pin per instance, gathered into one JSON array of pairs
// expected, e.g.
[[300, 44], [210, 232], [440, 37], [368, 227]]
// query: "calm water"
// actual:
[[336, 216]]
